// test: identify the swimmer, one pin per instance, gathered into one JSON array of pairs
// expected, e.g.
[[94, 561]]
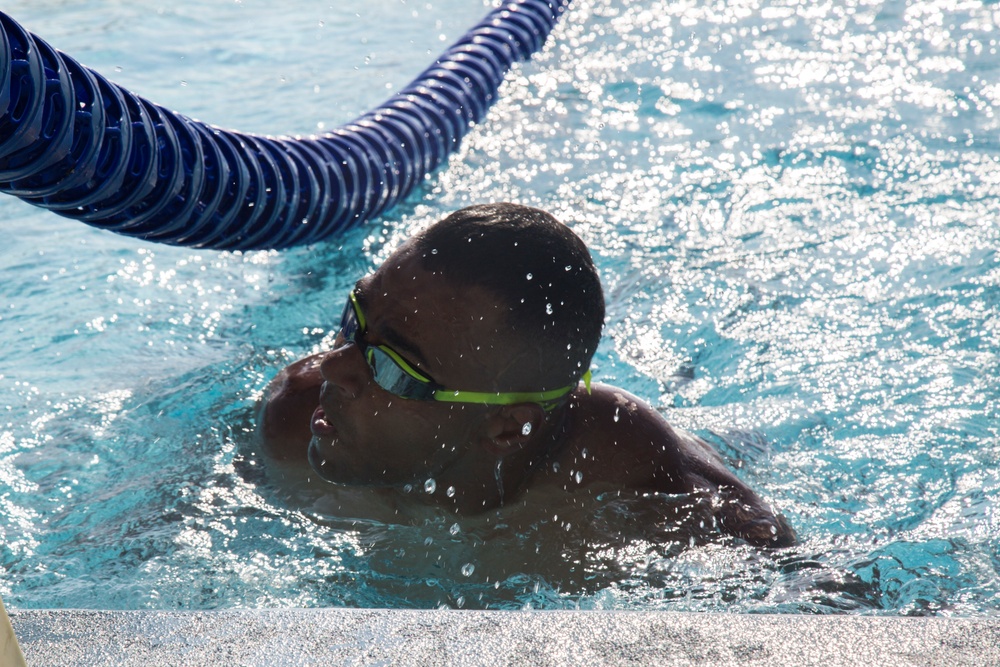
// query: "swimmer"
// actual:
[[462, 364]]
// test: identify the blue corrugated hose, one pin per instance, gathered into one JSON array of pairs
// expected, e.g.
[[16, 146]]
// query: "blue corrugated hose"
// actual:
[[79, 145]]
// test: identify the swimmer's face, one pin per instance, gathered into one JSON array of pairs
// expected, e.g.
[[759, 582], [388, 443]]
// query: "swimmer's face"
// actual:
[[457, 335]]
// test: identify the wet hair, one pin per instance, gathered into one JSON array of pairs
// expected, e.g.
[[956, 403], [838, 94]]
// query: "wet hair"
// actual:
[[536, 266]]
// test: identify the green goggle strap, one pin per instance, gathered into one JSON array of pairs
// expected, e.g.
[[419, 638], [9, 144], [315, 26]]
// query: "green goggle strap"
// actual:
[[362, 324], [507, 398]]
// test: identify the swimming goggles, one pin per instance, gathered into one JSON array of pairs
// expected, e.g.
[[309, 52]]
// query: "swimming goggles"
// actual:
[[394, 374]]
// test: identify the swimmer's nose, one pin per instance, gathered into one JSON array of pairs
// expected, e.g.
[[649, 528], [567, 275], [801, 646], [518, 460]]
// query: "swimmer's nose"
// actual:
[[345, 369]]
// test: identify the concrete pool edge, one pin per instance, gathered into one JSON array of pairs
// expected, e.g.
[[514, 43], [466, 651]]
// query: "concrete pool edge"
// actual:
[[403, 637]]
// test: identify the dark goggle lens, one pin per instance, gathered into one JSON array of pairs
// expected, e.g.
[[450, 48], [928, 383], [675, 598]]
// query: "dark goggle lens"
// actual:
[[391, 377], [349, 324]]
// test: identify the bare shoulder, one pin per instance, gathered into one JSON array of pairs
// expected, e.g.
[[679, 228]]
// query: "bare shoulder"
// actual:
[[631, 445], [284, 411], [625, 441]]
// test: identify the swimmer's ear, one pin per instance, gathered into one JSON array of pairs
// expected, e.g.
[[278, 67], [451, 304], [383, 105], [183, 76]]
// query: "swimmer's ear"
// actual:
[[509, 428]]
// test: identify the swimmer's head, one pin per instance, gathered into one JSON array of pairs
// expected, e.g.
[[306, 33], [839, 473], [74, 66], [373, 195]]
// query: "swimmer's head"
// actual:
[[540, 271], [496, 300]]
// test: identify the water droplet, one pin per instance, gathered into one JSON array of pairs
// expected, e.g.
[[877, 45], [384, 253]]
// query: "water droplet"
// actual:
[[498, 474], [430, 486], [450, 492], [529, 276], [468, 569], [569, 268], [578, 476], [455, 529], [429, 541], [548, 308], [616, 417], [434, 251], [407, 488]]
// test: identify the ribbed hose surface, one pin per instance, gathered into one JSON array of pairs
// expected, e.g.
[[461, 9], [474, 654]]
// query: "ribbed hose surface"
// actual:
[[79, 145]]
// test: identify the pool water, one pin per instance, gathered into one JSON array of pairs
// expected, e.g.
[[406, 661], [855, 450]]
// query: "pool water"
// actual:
[[793, 207]]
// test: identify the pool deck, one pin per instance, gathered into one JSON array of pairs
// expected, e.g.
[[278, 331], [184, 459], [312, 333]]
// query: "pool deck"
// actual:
[[535, 638]]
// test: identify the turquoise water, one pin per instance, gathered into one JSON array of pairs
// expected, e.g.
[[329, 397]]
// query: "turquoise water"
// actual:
[[792, 204]]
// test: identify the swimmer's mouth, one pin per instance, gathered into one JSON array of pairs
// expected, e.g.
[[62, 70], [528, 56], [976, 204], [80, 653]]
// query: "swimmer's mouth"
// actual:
[[319, 425]]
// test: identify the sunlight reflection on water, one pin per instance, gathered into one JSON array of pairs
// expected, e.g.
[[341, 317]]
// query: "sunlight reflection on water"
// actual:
[[793, 207]]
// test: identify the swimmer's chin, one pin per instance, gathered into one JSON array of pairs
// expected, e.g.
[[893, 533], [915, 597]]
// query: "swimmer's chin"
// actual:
[[319, 461]]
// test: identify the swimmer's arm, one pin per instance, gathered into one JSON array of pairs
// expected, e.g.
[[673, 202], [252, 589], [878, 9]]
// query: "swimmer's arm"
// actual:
[[283, 414], [739, 510]]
